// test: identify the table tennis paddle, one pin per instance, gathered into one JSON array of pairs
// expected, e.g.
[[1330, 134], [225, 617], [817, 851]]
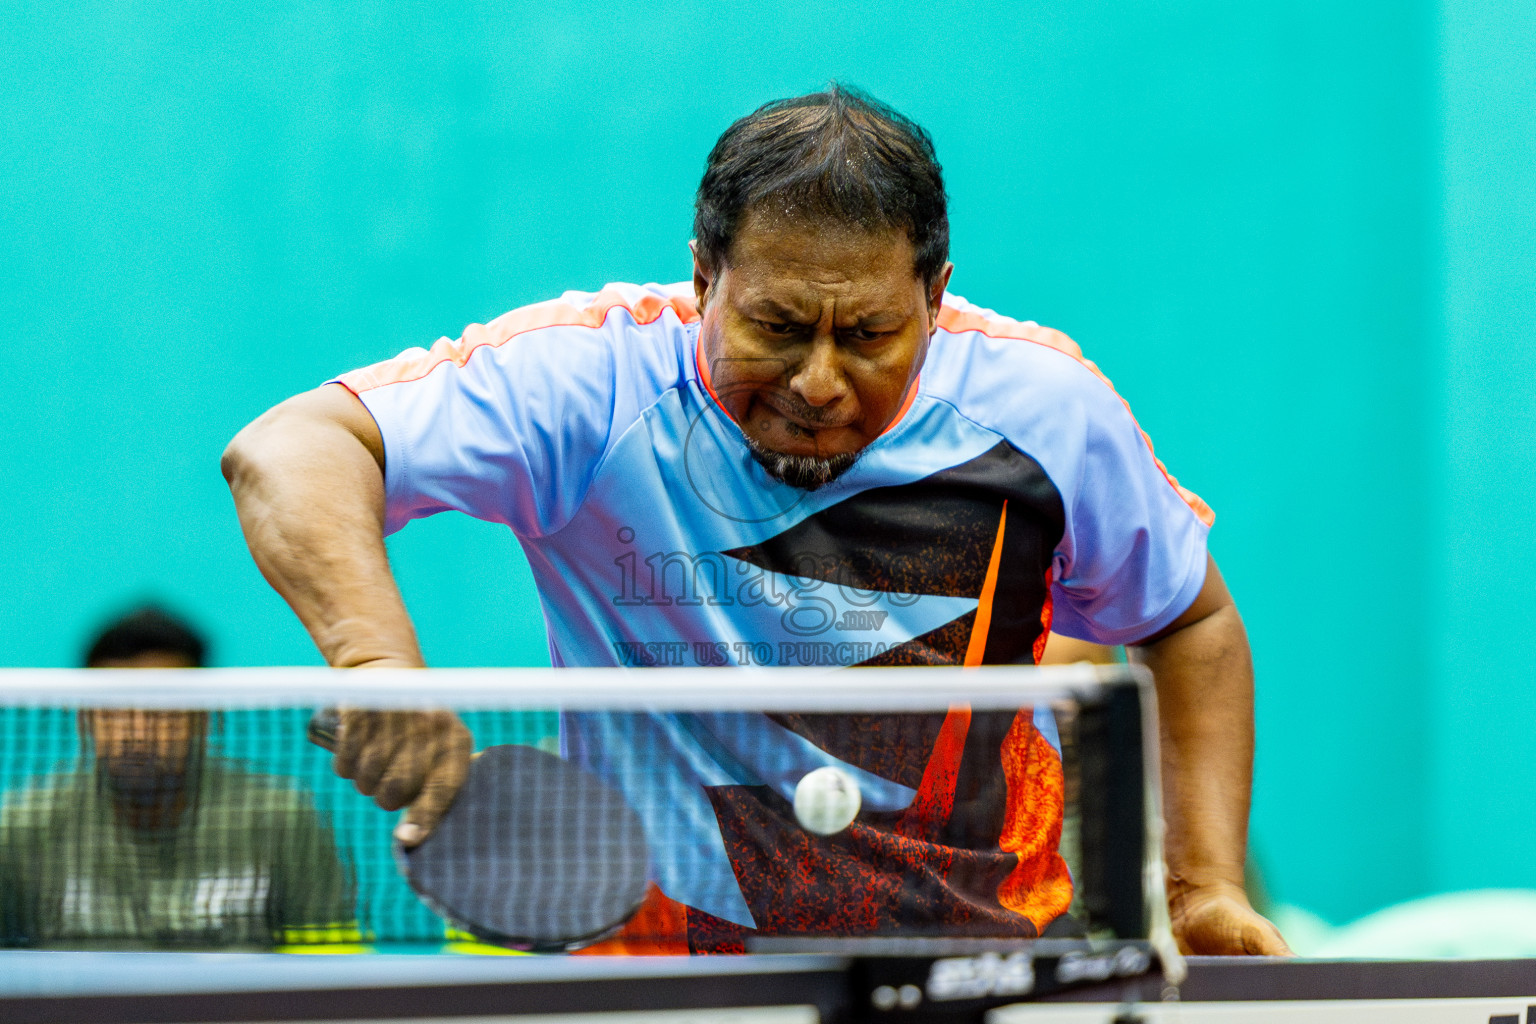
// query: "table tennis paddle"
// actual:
[[533, 854]]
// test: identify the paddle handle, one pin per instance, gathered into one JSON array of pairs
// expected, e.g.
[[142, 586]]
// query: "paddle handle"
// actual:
[[323, 728]]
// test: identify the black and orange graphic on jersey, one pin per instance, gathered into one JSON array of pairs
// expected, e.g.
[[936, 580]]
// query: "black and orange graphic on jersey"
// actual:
[[985, 529], [975, 852]]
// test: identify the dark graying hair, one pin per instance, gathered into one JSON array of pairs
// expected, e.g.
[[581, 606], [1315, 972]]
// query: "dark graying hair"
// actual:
[[146, 630], [840, 156]]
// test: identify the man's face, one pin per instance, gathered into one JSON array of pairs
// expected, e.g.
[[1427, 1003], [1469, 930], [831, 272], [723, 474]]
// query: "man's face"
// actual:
[[144, 754], [813, 336]]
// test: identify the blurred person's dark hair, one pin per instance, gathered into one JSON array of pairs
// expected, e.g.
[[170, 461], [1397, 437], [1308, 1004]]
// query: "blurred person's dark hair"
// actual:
[[146, 631], [838, 156]]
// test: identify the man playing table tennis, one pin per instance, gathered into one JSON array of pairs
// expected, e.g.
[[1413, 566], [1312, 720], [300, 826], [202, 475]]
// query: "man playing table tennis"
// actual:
[[809, 455]]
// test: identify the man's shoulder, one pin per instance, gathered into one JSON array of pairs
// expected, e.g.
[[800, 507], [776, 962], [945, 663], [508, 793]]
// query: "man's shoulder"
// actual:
[[230, 784], [992, 367], [44, 798], [655, 309], [960, 316], [564, 329]]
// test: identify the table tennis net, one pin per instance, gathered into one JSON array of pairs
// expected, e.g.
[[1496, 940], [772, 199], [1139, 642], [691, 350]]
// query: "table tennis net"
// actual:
[[189, 810]]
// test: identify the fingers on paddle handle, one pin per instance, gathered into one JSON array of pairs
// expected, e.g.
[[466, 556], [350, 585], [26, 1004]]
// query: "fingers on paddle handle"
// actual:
[[324, 728], [444, 779]]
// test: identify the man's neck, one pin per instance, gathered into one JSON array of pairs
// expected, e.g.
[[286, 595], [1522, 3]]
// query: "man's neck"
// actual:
[[148, 819]]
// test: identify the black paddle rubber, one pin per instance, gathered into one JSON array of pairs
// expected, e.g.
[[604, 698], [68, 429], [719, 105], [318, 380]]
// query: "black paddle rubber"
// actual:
[[534, 853]]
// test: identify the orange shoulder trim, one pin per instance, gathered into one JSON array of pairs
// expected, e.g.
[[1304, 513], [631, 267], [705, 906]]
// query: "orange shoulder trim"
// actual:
[[416, 363], [960, 321]]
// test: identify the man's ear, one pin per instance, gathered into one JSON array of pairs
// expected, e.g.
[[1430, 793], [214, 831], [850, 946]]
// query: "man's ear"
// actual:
[[936, 295], [703, 277]]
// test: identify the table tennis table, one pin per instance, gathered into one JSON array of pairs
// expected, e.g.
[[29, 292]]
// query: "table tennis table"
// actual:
[[217, 988]]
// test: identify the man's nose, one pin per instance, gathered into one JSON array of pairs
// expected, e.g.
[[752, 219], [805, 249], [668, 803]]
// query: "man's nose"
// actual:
[[819, 378], [144, 728]]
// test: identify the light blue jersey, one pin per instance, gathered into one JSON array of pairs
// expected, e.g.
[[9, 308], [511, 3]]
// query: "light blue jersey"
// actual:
[[1013, 494]]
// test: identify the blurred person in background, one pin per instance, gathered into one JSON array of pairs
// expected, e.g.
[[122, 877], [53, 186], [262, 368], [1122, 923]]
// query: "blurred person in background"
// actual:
[[154, 842]]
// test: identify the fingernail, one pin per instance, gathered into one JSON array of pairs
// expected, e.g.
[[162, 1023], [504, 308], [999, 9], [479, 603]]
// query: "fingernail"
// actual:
[[407, 833]]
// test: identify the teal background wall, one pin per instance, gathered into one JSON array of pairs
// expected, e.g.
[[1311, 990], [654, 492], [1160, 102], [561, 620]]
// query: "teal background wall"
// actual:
[[1297, 235], [1484, 629]]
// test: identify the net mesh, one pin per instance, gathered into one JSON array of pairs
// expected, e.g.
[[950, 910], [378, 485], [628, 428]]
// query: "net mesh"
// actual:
[[164, 816]]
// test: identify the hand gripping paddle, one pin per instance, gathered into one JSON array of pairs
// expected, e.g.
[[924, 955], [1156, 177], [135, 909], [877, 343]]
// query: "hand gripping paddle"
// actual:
[[533, 854]]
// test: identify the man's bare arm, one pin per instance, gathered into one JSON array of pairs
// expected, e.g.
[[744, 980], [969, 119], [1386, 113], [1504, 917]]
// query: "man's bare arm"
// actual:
[[308, 483], [1204, 677]]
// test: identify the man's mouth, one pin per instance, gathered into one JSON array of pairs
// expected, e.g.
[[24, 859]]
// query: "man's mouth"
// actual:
[[799, 418], [143, 781]]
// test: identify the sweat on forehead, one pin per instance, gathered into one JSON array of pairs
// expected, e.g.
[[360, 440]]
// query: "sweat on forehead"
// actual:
[[787, 241]]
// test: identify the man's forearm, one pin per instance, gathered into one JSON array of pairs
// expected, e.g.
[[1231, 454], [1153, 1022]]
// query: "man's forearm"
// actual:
[[311, 501], [308, 481], [1204, 680]]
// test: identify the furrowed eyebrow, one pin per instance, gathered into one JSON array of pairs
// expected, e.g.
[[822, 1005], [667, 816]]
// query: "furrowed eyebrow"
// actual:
[[765, 308], [769, 308], [883, 318]]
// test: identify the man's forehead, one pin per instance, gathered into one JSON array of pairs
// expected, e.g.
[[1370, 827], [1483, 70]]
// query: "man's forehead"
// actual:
[[864, 273], [785, 294], [156, 717], [820, 243]]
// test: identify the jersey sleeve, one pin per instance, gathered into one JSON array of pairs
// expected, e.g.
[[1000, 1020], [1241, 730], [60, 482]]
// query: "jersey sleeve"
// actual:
[[1133, 553], [510, 422]]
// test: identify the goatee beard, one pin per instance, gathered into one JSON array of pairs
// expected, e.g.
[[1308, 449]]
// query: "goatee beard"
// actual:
[[143, 783], [807, 472]]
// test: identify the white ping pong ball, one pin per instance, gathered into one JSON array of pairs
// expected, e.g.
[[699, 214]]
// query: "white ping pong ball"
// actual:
[[826, 801]]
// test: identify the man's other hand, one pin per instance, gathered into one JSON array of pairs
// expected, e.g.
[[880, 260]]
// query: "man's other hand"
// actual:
[[1217, 921], [414, 759]]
